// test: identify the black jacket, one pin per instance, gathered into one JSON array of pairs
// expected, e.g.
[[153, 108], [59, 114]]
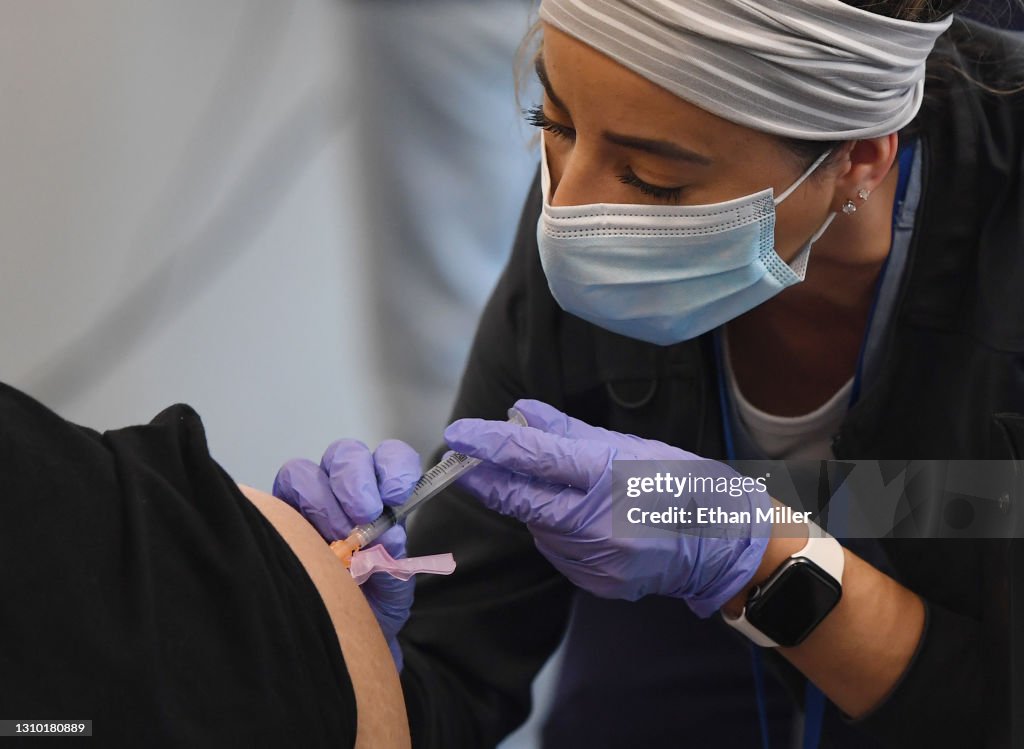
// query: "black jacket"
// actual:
[[953, 359]]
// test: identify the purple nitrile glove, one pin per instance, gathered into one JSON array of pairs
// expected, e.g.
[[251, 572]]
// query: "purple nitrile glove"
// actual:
[[556, 477], [350, 487]]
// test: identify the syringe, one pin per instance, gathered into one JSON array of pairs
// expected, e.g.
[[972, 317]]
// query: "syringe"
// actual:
[[429, 485]]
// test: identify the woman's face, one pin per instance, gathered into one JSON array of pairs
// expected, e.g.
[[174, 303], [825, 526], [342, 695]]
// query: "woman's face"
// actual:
[[612, 136]]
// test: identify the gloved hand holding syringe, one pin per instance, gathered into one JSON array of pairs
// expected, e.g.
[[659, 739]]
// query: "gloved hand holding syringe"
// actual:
[[430, 485]]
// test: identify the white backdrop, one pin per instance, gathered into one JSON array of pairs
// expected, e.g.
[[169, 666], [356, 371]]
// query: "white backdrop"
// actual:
[[176, 220]]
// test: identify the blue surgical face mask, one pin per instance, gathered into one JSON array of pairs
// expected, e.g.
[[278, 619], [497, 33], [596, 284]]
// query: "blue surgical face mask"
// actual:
[[665, 274]]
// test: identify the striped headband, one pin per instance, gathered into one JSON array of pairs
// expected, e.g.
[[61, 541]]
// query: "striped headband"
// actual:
[[809, 69]]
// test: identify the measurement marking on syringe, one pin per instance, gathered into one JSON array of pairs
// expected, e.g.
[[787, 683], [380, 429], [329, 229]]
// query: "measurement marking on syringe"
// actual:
[[441, 470]]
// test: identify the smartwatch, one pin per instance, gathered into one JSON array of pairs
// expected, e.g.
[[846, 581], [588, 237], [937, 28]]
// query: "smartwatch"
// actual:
[[784, 609]]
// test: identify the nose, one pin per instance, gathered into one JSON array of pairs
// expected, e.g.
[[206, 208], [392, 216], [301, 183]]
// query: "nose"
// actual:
[[580, 176], [572, 178], [569, 184]]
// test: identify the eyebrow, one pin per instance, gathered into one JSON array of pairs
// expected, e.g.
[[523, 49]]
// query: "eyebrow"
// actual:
[[662, 148]]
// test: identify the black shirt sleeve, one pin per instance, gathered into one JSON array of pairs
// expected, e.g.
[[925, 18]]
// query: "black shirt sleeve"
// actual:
[[942, 685], [142, 591], [476, 640]]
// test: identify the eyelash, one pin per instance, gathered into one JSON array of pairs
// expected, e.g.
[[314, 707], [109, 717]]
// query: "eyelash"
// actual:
[[668, 194], [535, 116]]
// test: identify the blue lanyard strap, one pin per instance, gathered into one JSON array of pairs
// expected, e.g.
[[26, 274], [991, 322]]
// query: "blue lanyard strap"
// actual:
[[762, 710], [814, 715], [906, 161], [814, 698], [723, 398]]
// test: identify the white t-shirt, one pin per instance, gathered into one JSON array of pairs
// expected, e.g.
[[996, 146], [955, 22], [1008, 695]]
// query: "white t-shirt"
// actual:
[[804, 437]]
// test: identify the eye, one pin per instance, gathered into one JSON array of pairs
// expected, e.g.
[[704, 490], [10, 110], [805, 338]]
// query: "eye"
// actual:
[[536, 117], [668, 194]]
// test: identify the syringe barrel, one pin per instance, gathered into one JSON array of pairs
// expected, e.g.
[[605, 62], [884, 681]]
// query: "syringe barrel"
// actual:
[[367, 533], [433, 481]]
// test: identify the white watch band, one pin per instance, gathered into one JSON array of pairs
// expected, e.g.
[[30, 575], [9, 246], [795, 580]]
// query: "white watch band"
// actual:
[[824, 551]]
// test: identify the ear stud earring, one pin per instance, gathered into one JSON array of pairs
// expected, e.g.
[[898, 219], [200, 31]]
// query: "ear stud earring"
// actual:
[[849, 207]]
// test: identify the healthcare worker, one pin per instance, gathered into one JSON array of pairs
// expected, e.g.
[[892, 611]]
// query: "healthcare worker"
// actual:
[[782, 228]]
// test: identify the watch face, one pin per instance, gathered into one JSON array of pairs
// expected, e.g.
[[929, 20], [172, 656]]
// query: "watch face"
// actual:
[[793, 601]]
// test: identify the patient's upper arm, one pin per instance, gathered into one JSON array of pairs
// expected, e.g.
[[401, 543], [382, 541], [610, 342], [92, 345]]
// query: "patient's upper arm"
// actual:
[[380, 707]]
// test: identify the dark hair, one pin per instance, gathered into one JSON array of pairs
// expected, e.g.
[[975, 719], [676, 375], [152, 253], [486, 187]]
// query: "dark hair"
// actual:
[[921, 11]]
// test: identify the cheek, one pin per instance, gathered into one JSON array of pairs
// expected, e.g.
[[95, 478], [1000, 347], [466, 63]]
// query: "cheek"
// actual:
[[796, 223]]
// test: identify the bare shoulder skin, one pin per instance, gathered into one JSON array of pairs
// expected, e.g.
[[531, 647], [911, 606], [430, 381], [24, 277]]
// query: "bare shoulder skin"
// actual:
[[382, 722]]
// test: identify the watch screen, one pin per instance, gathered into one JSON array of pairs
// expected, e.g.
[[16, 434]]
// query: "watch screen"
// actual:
[[792, 604]]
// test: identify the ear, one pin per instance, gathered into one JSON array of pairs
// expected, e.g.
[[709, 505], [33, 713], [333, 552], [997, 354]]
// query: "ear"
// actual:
[[864, 166]]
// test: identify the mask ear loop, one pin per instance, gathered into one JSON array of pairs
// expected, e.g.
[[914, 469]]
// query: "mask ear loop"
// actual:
[[810, 170], [799, 263]]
